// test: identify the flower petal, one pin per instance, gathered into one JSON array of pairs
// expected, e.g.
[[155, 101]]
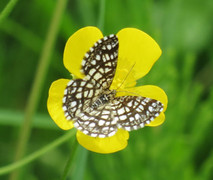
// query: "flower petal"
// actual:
[[137, 54], [54, 104], [77, 46], [150, 91], [158, 121], [104, 145]]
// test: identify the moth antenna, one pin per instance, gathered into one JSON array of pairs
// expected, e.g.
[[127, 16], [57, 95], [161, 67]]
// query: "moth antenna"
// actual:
[[126, 76]]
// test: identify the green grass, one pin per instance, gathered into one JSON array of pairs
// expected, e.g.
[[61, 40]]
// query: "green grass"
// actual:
[[181, 148]]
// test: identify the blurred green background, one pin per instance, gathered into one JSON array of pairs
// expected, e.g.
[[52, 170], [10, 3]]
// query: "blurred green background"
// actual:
[[181, 148]]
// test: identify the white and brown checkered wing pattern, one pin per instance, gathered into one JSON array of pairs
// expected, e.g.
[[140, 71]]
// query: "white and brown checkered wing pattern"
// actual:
[[98, 122], [133, 112], [81, 104], [99, 63], [78, 95]]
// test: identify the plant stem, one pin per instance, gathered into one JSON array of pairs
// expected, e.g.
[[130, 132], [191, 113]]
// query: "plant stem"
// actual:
[[70, 160], [100, 23], [38, 82], [8, 8], [40, 152]]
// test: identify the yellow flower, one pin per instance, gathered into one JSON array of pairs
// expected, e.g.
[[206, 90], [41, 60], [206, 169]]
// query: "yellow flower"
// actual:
[[136, 55]]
